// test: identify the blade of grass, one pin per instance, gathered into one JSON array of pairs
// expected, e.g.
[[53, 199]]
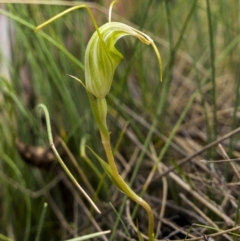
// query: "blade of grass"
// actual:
[[41, 220], [18, 173], [4, 238], [120, 218], [69, 174], [89, 236], [213, 77], [45, 36]]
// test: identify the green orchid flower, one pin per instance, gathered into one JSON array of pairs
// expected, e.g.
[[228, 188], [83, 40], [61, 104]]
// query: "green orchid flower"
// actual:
[[101, 61], [102, 58]]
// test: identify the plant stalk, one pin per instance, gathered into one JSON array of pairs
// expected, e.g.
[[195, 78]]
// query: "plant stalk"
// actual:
[[126, 189]]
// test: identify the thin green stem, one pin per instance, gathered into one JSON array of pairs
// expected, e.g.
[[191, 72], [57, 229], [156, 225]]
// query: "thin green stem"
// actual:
[[127, 190], [212, 56], [64, 167], [66, 12], [41, 221], [70, 10], [170, 63], [99, 108], [236, 103]]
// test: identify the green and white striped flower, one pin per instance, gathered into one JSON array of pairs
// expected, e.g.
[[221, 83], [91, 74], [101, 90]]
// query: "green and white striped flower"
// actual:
[[102, 58], [101, 61]]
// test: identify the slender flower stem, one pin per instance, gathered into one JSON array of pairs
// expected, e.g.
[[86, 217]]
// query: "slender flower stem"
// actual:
[[126, 189]]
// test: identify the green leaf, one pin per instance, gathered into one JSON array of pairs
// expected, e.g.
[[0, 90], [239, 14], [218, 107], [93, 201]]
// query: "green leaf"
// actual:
[[106, 168]]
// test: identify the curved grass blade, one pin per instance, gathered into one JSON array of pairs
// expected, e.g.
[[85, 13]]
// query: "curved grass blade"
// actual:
[[69, 174], [89, 236]]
